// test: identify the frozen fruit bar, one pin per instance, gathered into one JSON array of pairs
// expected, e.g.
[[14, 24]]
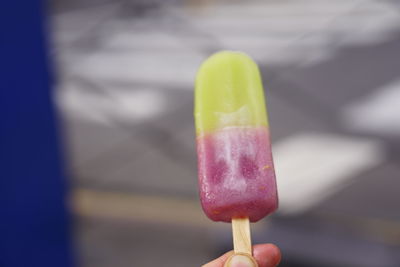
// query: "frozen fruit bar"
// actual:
[[235, 167]]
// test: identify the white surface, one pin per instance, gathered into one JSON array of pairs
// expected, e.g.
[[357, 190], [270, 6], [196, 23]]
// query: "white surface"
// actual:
[[130, 105], [311, 167], [377, 113]]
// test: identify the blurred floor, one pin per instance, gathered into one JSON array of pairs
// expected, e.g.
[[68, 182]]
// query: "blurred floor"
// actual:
[[125, 89]]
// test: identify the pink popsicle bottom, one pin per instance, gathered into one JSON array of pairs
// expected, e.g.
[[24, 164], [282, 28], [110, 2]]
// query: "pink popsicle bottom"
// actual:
[[236, 174]]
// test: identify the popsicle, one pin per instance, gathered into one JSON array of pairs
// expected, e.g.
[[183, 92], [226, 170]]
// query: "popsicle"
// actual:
[[235, 168]]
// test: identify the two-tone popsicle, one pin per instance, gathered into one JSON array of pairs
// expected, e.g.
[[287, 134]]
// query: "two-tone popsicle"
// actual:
[[235, 168]]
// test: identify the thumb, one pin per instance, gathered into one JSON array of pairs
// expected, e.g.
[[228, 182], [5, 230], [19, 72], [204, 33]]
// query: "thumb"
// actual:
[[267, 255], [241, 260]]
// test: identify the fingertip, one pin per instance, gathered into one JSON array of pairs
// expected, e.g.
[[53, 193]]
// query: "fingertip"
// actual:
[[220, 261], [267, 255]]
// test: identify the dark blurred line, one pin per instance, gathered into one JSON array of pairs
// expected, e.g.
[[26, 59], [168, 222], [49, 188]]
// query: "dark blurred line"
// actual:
[[83, 37], [154, 136], [62, 6], [297, 96]]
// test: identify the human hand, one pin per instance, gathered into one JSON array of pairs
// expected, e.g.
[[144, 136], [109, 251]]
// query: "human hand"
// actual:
[[266, 255]]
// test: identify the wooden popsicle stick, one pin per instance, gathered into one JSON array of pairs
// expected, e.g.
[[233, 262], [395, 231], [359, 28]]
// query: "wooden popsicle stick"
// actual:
[[242, 239], [241, 235]]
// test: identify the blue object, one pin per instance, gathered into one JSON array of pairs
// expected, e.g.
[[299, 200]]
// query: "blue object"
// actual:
[[34, 223]]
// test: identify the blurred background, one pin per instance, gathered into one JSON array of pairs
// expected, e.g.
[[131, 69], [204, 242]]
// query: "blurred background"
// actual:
[[124, 73]]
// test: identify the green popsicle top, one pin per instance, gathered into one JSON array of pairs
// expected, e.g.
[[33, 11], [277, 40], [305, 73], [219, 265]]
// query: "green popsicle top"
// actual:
[[228, 93]]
